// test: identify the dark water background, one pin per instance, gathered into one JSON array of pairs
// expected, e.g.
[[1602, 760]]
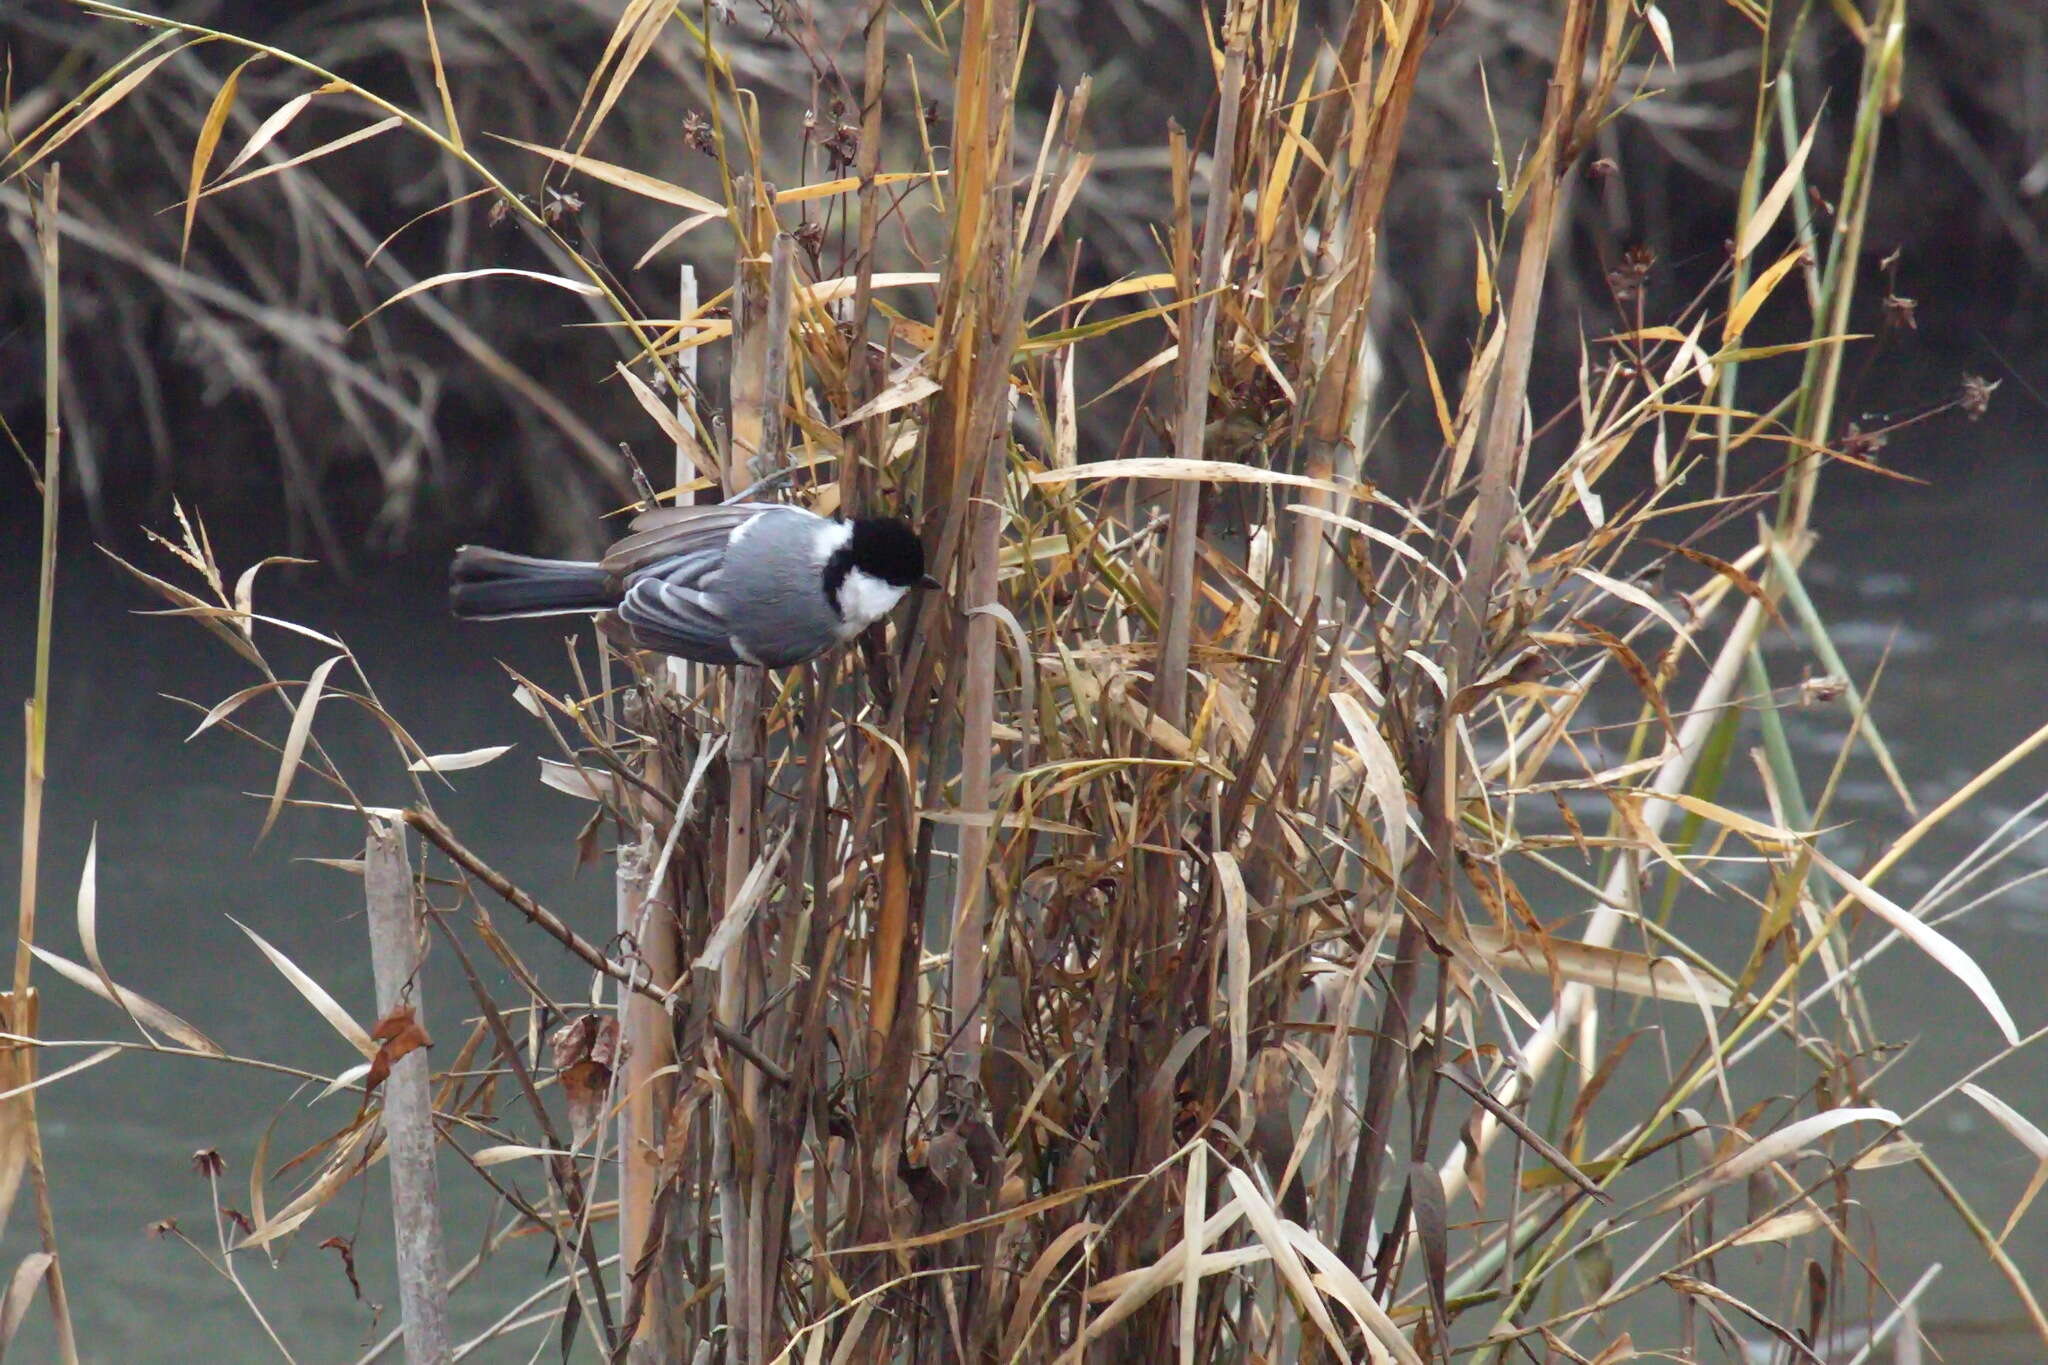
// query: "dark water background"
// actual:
[[1952, 579]]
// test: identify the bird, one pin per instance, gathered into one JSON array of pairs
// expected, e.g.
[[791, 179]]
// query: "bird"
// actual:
[[760, 583]]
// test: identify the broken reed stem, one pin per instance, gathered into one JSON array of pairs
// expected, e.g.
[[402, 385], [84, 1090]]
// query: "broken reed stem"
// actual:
[[1198, 352], [397, 949], [982, 450], [21, 1138], [644, 922]]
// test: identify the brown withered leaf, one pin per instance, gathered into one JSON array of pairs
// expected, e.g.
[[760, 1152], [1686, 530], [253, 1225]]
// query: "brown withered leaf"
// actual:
[[1632, 664], [396, 1034], [585, 1052], [347, 1250], [1743, 583]]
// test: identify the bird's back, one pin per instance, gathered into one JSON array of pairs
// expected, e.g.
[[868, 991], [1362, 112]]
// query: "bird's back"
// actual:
[[739, 583]]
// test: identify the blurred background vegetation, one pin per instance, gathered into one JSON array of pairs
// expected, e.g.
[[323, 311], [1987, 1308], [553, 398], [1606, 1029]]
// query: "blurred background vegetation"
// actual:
[[237, 380]]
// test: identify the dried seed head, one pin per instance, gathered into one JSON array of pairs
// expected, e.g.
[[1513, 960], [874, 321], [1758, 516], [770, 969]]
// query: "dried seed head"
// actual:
[[1975, 398], [1862, 445], [1822, 690], [209, 1163], [1899, 314], [163, 1227], [1602, 170], [697, 132]]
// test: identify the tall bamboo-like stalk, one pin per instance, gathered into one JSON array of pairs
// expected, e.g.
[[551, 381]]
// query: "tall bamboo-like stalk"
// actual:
[[21, 1140], [397, 950]]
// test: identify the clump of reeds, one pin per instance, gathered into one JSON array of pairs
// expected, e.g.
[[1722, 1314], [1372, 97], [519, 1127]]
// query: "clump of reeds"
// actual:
[[1153, 945]]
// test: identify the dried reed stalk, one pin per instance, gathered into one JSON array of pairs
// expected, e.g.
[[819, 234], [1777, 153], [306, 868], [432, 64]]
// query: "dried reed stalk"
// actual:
[[397, 953], [21, 1140]]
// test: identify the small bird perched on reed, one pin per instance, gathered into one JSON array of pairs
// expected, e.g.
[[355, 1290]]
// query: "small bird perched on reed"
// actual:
[[735, 583]]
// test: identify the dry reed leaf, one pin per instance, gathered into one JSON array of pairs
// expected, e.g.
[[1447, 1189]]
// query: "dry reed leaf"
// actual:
[[1765, 215], [1275, 193], [1238, 958], [341, 1168], [1660, 29], [1781, 1228], [245, 589], [1217, 471], [228, 706], [280, 118], [1770, 838], [1382, 778], [203, 148], [93, 1060], [21, 1291], [582, 287], [441, 76], [1928, 940], [626, 178], [1165, 357], [315, 994], [1896, 1153], [2021, 1128], [1134, 1289], [88, 928], [1194, 1213], [672, 426], [1266, 1226], [1033, 1284], [1372, 533], [1615, 969], [720, 940], [914, 387], [1759, 290], [1436, 388], [102, 102], [345, 140], [1775, 1147], [1383, 1338], [1713, 1293], [295, 740], [139, 1008], [1631, 594], [849, 184], [513, 1151], [1116, 289], [631, 41], [455, 763]]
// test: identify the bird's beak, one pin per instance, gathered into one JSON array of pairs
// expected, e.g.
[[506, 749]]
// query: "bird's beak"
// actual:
[[929, 582]]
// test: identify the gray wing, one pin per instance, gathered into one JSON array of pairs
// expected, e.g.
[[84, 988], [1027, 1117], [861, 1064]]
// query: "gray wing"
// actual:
[[671, 566]]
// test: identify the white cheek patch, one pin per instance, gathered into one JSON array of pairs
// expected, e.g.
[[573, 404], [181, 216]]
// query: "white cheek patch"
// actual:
[[864, 600]]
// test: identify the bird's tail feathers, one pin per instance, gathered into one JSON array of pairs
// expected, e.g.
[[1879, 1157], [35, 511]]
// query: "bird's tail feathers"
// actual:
[[492, 585]]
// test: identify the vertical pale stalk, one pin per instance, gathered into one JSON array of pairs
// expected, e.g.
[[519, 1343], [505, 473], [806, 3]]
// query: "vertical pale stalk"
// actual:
[[643, 920], [977, 758], [759, 382], [21, 1140], [982, 451], [1335, 400], [396, 949], [1198, 351]]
